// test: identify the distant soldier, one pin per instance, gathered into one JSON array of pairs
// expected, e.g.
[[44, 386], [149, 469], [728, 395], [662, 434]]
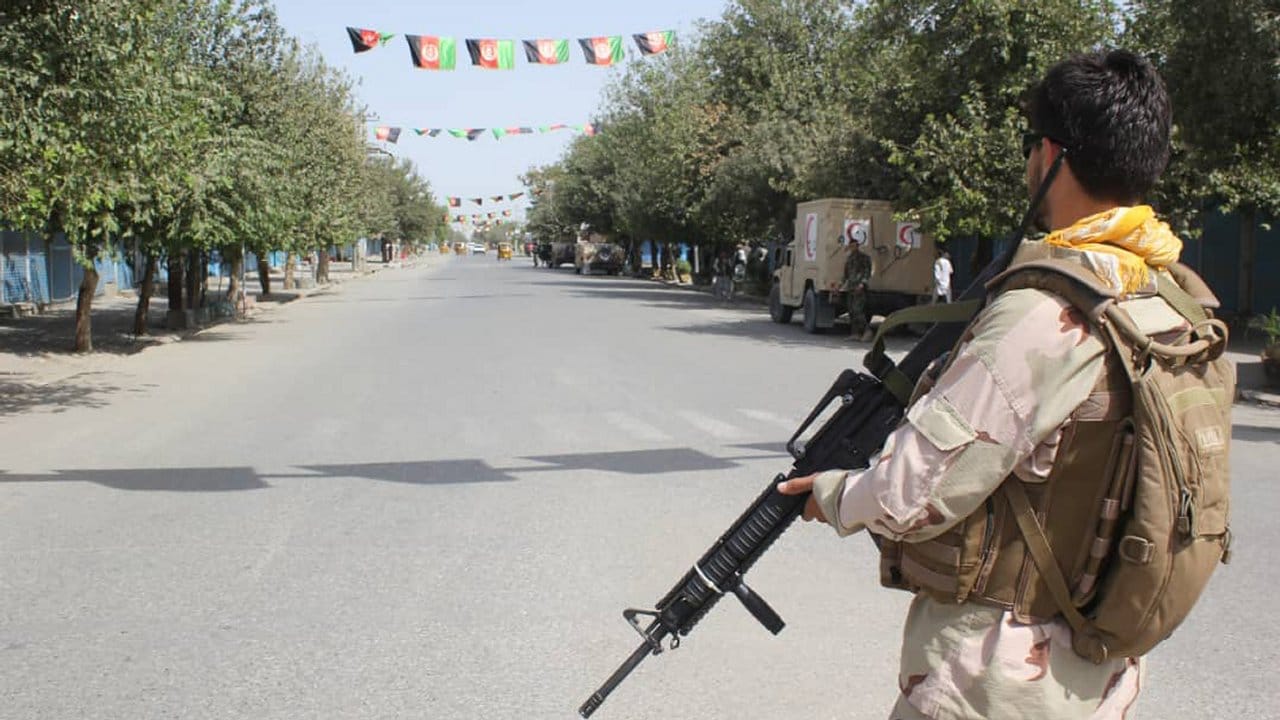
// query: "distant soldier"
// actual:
[[857, 273]]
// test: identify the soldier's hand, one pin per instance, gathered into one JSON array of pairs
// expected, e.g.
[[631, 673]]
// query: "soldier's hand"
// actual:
[[799, 486]]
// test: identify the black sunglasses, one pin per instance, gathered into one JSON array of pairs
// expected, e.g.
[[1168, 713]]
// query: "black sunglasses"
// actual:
[[1031, 139]]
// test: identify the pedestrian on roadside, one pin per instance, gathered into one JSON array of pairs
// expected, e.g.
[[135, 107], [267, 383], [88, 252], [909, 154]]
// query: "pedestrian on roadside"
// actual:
[[942, 277], [1011, 412], [857, 273]]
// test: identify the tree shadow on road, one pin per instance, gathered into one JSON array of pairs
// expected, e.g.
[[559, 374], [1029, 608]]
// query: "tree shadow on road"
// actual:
[[1255, 433], [425, 472], [18, 396]]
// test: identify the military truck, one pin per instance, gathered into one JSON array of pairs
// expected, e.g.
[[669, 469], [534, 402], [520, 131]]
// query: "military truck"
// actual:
[[594, 252], [555, 254], [809, 273]]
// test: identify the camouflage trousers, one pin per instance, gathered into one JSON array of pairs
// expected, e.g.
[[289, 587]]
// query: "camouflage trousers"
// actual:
[[857, 309]]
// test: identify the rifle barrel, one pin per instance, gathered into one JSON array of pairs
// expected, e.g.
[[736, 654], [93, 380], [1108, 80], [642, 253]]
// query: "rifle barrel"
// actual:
[[598, 697]]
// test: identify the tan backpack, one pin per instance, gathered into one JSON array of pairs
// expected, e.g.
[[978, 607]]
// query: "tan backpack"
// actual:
[[1167, 529]]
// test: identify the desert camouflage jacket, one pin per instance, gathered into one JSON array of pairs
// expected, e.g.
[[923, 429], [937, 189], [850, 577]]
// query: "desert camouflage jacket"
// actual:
[[1000, 407]]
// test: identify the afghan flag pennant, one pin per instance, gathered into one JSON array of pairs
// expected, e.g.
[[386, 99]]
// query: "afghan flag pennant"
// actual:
[[389, 134], [429, 132], [492, 54], [545, 51], [602, 50], [460, 218], [363, 40], [552, 128], [455, 202], [468, 133], [537, 192], [658, 41], [492, 215], [498, 198], [433, 53], [478, 201], [506, 213], [513, 196]]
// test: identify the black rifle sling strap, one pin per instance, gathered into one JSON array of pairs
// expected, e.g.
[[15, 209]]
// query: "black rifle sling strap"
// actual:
[[896, 381]]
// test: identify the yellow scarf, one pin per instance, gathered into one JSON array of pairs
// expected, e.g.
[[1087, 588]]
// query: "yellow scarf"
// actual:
[[1132, 235]]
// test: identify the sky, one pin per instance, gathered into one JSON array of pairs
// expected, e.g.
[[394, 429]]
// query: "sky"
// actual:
[[399, 94]]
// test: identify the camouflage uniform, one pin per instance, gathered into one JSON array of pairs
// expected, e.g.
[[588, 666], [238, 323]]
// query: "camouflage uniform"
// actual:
[[1001, 407], [857, 273]]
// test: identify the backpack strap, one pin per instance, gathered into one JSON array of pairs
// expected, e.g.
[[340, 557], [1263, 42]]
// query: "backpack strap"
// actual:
[[1085, 638]]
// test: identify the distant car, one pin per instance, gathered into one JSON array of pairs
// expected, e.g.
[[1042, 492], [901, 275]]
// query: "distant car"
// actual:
[[504, 251], [478, 249]]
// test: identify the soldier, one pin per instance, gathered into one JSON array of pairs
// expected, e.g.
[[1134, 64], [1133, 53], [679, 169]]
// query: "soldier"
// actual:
[[1028, 366], [857, 273]]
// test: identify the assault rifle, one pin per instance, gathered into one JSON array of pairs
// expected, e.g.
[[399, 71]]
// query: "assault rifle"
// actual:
[[860, 412]]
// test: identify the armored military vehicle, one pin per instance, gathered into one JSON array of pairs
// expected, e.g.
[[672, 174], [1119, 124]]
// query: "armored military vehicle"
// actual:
[[596, 253], [810, 274]]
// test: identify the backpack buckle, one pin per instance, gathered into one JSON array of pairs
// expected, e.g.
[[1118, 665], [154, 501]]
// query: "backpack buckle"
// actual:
[[1137, 550]]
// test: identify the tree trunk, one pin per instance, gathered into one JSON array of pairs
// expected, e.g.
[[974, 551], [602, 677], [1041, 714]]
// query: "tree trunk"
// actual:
[[193, 278], [176, 276], [288, 271], [322, 267], [144, 295], [236, 259], [84, 303], [264, 274]]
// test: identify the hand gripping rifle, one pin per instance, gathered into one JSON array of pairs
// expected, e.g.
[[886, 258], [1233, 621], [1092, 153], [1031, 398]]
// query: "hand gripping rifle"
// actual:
[[869, 408]]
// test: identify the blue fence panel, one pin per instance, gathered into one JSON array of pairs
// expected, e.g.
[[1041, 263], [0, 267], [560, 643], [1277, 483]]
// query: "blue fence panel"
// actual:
[[14, 289], [1266, 292], [63, 281], [1218, 258]]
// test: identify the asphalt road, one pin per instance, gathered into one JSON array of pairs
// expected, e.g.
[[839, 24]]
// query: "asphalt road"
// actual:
[[431, 493]]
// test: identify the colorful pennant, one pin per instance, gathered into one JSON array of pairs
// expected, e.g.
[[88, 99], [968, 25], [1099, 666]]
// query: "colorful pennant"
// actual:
[[652, 43], [602, 50], [492, 54], [389, 134], [546, 52], [433, 53], [364, 40]]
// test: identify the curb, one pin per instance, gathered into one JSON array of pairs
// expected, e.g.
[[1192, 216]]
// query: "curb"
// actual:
[[1259, 397]]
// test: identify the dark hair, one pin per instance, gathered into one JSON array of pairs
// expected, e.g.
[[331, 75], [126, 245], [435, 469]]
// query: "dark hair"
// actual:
[[1112, 112]]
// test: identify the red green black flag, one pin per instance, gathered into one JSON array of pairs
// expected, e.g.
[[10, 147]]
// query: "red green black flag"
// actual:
[[506, 213], [513, 196], [497, 198], [390, 134], [652, 43], [545, 51], [455, 202], [433, 53], [478, 201], [602, 50], [363, 40], [492, 54]]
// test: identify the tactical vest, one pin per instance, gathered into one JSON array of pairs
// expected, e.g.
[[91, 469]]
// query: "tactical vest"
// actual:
[[1081, 507]]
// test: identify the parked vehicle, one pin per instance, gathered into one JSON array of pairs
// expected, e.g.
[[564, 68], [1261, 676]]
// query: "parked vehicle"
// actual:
[[559, 253], [810, 270], [479, 249], [459, 248], [597, 254], [504, 251]]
